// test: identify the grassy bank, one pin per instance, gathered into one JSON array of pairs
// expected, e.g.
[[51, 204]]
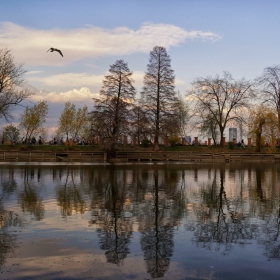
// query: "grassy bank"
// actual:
[[194, 149], [51, 148]]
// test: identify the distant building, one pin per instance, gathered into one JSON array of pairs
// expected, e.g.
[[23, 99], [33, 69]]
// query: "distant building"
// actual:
[[188, 139], [232, 134]]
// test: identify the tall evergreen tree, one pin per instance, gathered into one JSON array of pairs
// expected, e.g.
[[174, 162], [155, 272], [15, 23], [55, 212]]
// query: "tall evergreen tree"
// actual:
[[139, 124], [158, 95], [110, 117]]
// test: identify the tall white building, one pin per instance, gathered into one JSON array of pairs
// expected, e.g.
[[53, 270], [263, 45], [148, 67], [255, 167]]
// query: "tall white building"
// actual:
[[232, 134], [188, 139]]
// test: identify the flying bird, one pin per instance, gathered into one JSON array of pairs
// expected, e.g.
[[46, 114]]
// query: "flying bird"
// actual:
[[55, 50]]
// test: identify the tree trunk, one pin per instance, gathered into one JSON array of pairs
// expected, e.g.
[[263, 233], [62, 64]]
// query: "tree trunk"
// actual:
[[258, 142], [222, 129], [156, 145], [278, 120]]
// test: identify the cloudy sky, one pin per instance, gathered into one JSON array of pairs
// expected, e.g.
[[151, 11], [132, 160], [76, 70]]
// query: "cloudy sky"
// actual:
[[202, 37]]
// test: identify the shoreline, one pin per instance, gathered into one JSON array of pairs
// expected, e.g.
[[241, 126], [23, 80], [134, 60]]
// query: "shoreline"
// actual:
[[135, 156]]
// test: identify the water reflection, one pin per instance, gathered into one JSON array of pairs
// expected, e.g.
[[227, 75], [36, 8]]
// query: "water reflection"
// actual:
[[221, 221], [8, 241], [109, 213], [222, 208], [156, 224], [224, 220], [29, 198], [69, 193]]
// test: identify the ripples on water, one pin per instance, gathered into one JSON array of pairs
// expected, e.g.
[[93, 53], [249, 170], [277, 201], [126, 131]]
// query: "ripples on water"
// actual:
[[140, 221]]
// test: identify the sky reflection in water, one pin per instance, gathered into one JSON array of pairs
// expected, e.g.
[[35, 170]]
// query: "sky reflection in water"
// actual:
[[140, 221]]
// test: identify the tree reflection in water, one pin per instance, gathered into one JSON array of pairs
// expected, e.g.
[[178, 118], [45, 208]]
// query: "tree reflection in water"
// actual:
[[8, 241], [272, 242], [70, 196], [115, 228], [270, 213], [157, 233], [222, 222], [223, 206], [9, 184], [159, 214], [29, 199]]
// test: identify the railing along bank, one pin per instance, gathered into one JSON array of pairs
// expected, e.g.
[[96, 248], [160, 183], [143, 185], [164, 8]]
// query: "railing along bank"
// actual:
[[74, 156]]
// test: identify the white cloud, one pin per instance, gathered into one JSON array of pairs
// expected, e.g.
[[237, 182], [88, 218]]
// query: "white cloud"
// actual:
[[81, 80], [30, 45], [138, 77], [179, 82], [75, 95], [69, 80], [84, 79], [33, 72]]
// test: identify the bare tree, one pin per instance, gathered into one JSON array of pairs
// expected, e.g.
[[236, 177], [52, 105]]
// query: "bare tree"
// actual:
[[111, 112], [270, 82], [221, 98], [10, 83], [209, 127], [139, 123], [183, 115], [158, 94], [242, 123]]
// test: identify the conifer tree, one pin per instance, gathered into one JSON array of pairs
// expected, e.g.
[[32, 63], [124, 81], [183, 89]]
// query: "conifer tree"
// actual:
[[110, 117], [158, 95]]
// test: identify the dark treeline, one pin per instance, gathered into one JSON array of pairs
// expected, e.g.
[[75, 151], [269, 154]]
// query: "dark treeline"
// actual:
[[160, 113], [209, 107]]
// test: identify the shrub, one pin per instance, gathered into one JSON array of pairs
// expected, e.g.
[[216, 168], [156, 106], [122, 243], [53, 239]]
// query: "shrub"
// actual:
[[146, 143], [173, 140], [231, 145]]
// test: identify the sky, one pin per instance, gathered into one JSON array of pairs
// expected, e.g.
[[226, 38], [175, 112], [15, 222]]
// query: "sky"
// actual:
[[202, 37]]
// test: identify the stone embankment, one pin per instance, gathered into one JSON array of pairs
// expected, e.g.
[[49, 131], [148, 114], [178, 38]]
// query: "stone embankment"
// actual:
[[75, 156]]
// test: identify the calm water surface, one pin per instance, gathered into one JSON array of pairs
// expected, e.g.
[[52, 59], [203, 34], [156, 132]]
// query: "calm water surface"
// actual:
[[140, 221]]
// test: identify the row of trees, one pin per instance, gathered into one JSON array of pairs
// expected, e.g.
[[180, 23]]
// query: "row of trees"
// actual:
[[154, 115], [212, 104], [73, 123], [115, 112]]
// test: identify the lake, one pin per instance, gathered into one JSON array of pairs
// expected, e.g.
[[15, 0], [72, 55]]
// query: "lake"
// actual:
[[140, 221]]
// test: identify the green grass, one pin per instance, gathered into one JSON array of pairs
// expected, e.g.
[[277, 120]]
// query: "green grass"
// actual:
[[194, 149], [207, 149], [51, 148]]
